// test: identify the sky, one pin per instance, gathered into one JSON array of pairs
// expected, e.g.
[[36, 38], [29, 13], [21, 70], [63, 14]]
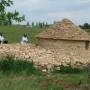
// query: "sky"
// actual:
[[53, 10]]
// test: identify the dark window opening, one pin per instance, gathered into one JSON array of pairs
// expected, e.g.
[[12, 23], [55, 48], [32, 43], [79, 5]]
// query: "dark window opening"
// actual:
[[86, 45]]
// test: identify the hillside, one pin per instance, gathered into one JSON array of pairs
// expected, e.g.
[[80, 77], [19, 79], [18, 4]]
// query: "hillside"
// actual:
[[13, 33]]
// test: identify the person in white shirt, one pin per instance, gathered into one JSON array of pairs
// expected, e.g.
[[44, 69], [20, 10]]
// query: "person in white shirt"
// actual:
[[1, 38], [24, 39]]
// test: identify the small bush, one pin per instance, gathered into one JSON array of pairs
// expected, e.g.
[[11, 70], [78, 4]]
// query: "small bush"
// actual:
[[69, 70], [10, 65], [88, 78]]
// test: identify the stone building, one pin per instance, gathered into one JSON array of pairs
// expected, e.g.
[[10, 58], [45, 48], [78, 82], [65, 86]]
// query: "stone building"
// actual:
[[67, 41], [64, 34]]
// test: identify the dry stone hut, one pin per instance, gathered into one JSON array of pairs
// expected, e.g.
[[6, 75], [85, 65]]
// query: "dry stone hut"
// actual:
[[68, 42], [65, 34]]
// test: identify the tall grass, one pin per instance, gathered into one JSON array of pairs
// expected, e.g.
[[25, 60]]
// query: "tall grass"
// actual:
[[9, 65], [70, 70]]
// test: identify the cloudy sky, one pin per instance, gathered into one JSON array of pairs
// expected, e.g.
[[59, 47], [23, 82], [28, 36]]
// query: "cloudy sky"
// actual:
[[54, 10]]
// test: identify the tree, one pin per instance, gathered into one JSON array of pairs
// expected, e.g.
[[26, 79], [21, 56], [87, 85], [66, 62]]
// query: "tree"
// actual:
[[9, 17], [28, 24], [85, 26], [33, 24], [47, 25]]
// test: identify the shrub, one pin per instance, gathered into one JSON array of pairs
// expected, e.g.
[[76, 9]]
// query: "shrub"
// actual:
[[10, 65], [88, 78], [69, 70]]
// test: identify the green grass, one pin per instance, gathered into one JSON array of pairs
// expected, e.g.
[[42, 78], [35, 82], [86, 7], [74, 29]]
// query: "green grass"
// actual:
[[14, 33], [9, 65], [70, 70], [88, 30], [22, 75], [33, 82]]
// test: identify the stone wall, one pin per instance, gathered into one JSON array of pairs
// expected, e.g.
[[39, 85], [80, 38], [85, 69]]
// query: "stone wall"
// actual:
[[47, 57], [62, 44], [67, 51]]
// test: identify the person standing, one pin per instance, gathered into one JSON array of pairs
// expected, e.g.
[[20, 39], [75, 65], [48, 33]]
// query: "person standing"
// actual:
[[24, 39]]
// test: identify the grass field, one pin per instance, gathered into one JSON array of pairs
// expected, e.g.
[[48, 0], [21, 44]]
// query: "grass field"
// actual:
[[51, 82], [13, 33]]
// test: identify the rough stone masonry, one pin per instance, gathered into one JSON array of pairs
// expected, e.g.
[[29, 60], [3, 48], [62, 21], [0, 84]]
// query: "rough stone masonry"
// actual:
[[44, 57]]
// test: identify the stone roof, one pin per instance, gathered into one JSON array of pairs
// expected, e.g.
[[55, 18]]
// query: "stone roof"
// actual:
[[65, 30]]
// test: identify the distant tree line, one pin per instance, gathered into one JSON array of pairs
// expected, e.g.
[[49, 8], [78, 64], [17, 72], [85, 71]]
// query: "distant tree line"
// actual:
[[7, 18], [85, 26], [38, 24]]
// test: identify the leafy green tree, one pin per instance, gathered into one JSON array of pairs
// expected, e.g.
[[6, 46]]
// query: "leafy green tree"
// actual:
[[28, 24], [33, 24], [86, 26], [9, 17]]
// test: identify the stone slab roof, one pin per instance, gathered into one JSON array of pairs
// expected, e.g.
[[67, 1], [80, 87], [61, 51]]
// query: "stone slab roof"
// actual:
[[65, 30]]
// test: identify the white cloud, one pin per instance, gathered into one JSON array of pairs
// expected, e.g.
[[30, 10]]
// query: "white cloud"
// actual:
[[83, 1], [50, 10]]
